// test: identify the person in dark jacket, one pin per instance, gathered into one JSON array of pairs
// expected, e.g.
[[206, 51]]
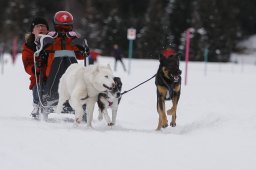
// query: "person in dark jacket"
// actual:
[[118, 54], [38, 26]]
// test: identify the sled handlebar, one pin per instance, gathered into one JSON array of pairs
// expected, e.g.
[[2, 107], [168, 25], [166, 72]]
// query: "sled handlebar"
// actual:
[[43, 41]]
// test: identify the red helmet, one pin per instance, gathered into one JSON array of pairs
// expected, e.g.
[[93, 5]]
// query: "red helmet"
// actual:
[[63, 21]]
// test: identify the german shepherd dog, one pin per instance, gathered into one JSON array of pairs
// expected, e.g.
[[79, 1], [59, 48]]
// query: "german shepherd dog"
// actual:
[[168, 83], [110, 99]]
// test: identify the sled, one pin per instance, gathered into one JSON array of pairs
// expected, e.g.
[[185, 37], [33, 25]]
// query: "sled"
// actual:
[[48, 90]]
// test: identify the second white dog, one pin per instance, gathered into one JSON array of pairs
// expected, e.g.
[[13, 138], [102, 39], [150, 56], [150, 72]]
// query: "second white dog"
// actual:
[[81, 85]]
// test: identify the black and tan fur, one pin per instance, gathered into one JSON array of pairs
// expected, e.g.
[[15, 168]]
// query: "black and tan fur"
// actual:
[[168, 83]]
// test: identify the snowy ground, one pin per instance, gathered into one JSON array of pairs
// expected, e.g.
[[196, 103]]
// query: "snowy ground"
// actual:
[[216, 125]]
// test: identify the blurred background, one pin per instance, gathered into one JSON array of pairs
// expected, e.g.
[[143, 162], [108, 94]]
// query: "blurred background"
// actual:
[[215, 25]]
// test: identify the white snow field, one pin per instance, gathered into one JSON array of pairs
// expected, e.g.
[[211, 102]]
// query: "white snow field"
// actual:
[[216, 124]]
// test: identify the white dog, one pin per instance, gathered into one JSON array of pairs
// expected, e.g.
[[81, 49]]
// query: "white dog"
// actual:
[[81, 85]]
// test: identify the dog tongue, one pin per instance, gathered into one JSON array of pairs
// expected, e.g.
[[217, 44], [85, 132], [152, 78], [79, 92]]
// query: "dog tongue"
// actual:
[[110, 103], [176, 78]]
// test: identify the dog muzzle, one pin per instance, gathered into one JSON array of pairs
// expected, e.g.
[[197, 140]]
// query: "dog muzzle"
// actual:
[[109, 88], [175, 77]]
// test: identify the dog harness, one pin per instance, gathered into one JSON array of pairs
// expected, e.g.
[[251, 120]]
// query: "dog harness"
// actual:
[[168, 83]]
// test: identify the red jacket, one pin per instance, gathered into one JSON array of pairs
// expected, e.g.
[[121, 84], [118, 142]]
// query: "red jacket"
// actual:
[[57, 46], [28, 57], [28, 62]]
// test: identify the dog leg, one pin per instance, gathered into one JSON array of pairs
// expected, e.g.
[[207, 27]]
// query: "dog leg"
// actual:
[[172, 112], [114, 113], [159, 124], [77, 105], [159, 116], [100, 116], [163, 122], [162, 116], [89, 111], [79, 112], [62, 100], [106, 116], [175, 100]]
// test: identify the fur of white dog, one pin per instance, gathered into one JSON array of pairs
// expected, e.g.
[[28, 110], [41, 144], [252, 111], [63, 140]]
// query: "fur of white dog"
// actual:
[[81, 85]]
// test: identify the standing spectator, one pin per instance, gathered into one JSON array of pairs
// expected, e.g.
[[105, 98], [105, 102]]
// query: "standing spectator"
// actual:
[[38, 26], [118, 54], [94, 53]]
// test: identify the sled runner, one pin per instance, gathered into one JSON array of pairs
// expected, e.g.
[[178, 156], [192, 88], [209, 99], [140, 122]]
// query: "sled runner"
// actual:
[[61, 59]]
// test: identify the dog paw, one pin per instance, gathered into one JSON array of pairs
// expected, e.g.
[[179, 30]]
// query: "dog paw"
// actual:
[[100, 117], [165, 126], [89, 127], [75, 125], [172, 124], [111, 124]]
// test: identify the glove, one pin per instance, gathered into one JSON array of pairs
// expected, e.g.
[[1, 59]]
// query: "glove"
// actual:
[[39, 62], [72, 34]]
